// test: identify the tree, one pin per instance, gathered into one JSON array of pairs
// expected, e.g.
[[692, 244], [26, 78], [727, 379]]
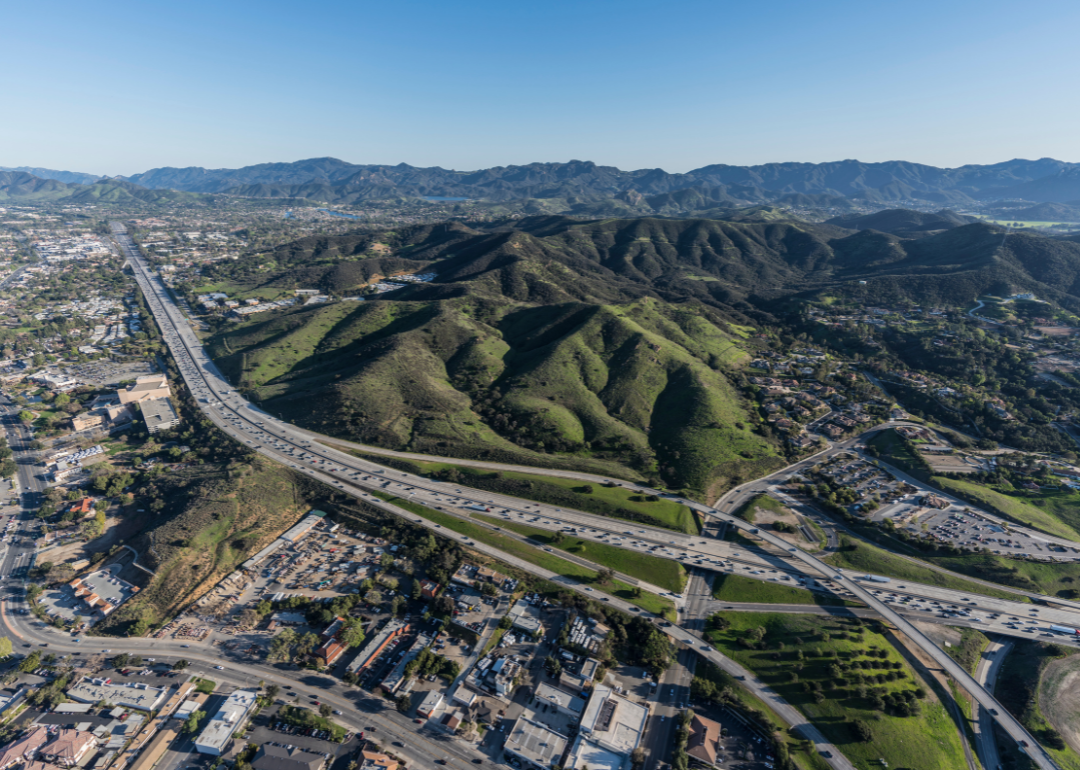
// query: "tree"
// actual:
[[605, 576], [30, 662], [862, 730], [396, 604], [180, 665], [26, 416], [5, 646], [374, 597], [352, 635], [306, 644], [325, 710], [403, 703], [191, 724]]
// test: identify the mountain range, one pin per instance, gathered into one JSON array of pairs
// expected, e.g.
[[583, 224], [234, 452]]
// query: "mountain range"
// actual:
[[331, 179], [587, 189]]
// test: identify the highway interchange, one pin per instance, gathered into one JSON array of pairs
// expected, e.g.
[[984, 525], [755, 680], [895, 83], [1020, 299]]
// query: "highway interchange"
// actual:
[[299, 449]]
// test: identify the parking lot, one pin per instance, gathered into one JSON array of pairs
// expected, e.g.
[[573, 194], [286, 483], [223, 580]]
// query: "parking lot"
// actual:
[[105, 372]]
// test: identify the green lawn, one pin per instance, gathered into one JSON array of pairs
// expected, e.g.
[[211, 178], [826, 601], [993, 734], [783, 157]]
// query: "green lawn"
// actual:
[[857, 555], [735, 588], [616, 502], [666, 573], [927, 741], [1014, 508], [969, 651], [647, 601]]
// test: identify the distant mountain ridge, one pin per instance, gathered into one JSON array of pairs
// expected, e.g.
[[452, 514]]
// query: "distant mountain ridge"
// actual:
[[577, 181], [67, 177]]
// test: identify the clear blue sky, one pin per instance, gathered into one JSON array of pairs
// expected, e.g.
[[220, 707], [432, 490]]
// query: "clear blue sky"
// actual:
[[121, 87]]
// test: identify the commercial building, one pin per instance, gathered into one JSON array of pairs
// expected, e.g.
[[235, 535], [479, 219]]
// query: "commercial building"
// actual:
[[611, 728], [429, 589], [102, 591], [231, 718], [159, 414], [526, 618], [396, 678], [329, 653], [146, 388], [430, 704], [68, 748], [136, 696], [24, 748], [537, 746], [704, 740], [273, 757], [376, 761], [562, 702], [375, 646]]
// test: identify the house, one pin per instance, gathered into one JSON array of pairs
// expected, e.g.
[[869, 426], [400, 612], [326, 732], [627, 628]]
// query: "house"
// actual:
[[68, 748], [704, 739]]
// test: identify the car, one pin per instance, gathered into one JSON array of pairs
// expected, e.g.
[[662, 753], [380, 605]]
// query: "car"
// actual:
[[994, 712], [219, 668]]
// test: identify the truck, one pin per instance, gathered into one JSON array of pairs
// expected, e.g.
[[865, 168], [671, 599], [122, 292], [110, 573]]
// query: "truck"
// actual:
[[874, 578], [481, 508], [1065, 630]]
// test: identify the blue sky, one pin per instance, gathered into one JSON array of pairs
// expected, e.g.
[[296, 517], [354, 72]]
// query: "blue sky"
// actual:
[[119, 87]]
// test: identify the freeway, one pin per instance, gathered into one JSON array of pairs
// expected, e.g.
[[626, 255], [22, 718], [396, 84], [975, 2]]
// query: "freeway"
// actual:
[[287, 444], [986, 672], [280, 441]]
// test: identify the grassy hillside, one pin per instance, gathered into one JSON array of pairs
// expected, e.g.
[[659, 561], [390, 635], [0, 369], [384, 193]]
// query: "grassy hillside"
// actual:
[[630, 388], [214, 518]]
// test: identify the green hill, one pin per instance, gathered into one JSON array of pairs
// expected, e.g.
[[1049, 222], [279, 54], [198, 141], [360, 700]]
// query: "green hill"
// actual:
[[584, 344]]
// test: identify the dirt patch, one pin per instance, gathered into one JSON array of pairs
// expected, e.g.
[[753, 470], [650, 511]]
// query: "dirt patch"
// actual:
[[767, 519], [1059, 698], [940, 634], [379, 248]]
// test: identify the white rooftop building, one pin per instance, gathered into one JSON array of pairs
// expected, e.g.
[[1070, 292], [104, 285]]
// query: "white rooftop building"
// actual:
[[219, 730]]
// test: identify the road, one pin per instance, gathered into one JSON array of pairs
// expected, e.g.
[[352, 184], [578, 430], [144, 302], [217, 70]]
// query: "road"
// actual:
[[282, 442], [287, 444], [986, 672]]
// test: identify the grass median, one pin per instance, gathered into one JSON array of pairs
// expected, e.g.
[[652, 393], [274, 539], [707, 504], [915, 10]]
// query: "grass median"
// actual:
[[665, 573], [617, 588]]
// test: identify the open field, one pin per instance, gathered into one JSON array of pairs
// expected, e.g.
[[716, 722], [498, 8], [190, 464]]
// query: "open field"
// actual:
[[624, 591], [665, 573], [1011, 507], [843, 659], [865, 557], [614, 501], [1059, 698], [735, 588]]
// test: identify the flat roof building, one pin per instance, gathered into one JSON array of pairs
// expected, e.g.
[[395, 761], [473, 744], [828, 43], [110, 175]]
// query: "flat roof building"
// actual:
[[219, 730], [374, 647], [136, 696], [154, 386], [534, 744], [611, 728], [561, 701], [159, 415]]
